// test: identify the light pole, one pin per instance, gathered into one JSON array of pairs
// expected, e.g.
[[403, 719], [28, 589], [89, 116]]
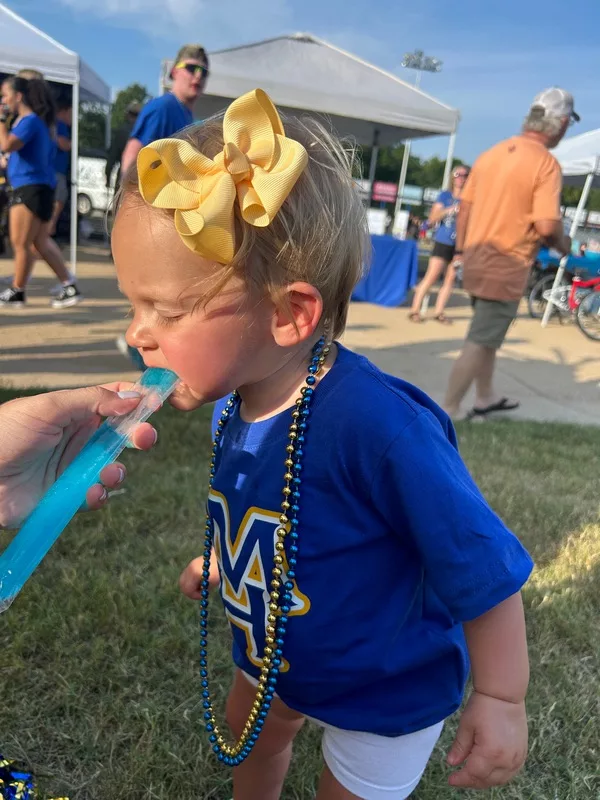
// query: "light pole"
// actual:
[[420, 63]]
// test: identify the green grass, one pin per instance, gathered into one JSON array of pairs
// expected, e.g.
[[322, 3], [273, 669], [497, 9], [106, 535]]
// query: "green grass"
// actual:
[[98, 655]]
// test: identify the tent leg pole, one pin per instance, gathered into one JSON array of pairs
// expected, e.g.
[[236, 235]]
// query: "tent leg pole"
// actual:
[[449, 159], [402, 179], [107, 126], [557, 281], [373, 163], [574, 225], [74, 177], [107, 138]]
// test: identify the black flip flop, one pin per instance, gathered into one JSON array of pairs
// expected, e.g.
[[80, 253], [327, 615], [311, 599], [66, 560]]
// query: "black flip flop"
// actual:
[[502, 405]]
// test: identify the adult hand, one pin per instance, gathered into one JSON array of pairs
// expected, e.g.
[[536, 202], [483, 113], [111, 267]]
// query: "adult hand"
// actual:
[[456, 262], [490, 743], [41, 435]]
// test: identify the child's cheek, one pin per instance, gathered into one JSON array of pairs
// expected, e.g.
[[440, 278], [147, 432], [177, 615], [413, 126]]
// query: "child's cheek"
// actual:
[[197, 367], [182, 357]]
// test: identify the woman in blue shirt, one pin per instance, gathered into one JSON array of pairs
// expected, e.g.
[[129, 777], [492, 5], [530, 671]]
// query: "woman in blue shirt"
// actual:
[[443, 214], [31, 148]]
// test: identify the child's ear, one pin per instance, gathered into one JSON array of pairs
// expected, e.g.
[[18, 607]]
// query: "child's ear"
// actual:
[[297, 314]]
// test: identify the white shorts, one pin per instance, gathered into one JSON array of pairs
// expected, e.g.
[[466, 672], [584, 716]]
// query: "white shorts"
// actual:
[[376, 767]]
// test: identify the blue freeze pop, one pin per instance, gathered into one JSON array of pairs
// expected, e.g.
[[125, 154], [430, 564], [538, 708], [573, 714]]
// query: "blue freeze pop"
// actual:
[[66, 496]]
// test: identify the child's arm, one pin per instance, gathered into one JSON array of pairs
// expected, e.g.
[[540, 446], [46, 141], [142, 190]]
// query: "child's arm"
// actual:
[[491, 740]]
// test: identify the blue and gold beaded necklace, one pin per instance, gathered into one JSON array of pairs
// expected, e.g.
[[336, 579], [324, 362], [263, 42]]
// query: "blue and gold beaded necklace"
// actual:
[[280, 595]]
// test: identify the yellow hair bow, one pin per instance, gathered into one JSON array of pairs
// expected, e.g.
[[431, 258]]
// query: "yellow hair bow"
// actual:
[[258, 165]]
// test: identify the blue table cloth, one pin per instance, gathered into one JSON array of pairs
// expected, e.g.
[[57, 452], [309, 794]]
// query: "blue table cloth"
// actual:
[[590, 263], [393, 272]]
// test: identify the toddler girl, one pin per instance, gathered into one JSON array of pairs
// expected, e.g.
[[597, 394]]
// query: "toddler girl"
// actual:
[[360, 567]]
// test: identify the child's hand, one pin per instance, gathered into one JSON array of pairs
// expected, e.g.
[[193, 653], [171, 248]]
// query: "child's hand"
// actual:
[[190, 581], [491, 742]]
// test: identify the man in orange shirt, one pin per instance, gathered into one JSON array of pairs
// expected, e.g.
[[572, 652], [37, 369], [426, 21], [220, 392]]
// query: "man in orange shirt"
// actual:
[[510, 204]]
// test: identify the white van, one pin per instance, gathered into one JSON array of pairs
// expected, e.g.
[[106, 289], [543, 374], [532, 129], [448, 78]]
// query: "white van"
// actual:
[[92, 192]]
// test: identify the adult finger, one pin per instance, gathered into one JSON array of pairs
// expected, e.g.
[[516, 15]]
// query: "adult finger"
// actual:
[[113, 475], [118, 386], [74, 405], [144, 436], [96, 497]]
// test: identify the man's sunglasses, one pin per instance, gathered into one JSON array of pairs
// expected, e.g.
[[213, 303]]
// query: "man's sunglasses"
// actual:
[[193, 69], [461, 174]]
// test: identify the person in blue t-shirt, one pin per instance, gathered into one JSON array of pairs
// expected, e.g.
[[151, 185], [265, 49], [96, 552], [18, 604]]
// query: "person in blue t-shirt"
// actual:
[[443, 214], [360, 567], [31, 150], [62, 159], [165, 115]]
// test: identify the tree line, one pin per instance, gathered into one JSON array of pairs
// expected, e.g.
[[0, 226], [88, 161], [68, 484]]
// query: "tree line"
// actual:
[[421, 172]]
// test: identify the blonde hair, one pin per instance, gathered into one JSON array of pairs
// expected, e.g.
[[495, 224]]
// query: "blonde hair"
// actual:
[[195, 52], [318, 236], [30, 74]]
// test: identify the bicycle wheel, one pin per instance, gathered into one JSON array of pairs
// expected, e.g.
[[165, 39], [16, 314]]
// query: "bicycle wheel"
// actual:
[[588, 316], [537, 302]]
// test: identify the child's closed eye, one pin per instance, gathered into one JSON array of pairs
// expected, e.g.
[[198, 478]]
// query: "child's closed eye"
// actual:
[[169, 319]]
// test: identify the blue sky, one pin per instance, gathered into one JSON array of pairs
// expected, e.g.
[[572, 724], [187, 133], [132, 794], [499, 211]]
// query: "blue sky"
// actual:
[[496, 56]]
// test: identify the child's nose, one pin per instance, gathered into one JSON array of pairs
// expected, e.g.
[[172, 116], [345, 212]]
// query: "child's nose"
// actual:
[[139, 335]]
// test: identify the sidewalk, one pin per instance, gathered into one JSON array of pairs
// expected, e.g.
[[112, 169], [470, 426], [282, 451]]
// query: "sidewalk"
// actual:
[[555, 372]]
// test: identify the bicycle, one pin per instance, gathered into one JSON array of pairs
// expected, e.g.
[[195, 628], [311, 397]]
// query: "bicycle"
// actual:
[[567, 300], [587, 307], [543, 289]]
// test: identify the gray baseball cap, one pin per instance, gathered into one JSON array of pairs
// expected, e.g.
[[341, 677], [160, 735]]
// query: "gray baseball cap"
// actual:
[[556, 103]]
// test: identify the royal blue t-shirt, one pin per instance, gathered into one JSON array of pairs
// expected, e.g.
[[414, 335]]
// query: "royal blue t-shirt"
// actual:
[[62, 157], [161, 117], [397, 548], [446, 232], [34, 162]]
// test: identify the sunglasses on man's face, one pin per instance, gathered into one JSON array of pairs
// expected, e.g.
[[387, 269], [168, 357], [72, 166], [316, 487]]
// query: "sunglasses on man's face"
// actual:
[[461, 174], [194, 69]]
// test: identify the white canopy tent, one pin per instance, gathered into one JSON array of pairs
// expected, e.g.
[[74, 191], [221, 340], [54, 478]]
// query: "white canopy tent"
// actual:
[[303, 73], [23, 46], [579, 158]]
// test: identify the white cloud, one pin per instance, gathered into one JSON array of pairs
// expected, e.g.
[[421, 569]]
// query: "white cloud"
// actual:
[[211, 22]]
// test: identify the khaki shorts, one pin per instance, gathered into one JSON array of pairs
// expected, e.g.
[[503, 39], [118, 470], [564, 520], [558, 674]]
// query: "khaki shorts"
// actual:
[[491, 321]]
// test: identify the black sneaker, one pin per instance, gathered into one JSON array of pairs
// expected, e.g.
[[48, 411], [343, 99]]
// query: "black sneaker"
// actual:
[[69, 296], [15, 298]]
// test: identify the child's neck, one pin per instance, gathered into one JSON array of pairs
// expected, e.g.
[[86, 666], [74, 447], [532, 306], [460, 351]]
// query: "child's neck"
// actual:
[[279, 390]]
